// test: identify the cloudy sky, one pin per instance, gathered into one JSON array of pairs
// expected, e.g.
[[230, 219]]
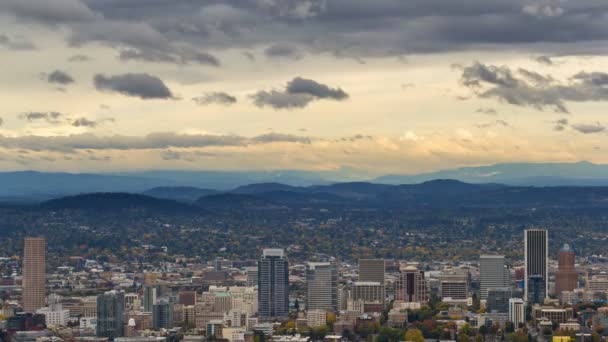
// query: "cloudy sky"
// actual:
[[382, 86]]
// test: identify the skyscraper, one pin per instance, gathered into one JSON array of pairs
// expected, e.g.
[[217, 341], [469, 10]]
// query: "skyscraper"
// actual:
[[273, 284], [110, 314], [411, 285], [162, 314], [498, 299], [34, 274], [372, 270], [565, 276], [492, 274], [536, 244], [321, 286]]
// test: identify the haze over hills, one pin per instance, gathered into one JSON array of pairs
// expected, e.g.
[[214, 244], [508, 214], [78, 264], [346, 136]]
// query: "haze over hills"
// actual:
[[190, 185]]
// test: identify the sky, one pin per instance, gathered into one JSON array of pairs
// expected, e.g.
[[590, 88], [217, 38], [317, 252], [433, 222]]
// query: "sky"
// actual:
[[383, 86]]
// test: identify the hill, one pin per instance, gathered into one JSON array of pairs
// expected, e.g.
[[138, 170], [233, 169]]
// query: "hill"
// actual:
[[115, 202]]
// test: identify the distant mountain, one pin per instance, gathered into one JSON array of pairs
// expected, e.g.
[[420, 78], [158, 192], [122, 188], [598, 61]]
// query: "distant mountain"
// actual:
[[231, 201], [526, 174], [116, 202], [266, 187], [186, 194]]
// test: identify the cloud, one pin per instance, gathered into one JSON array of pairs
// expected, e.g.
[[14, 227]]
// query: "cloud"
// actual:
[[143, 85], [49, 12], [157, 56], [215, 98], [541, 11], [589, 128], [160, 140], [79, 58], [59, 77], [560, 125], [298, 93], [50, 117], [15, 44], [529, 88], [546, 60], [283, 51], [84, 122], [486, 111]]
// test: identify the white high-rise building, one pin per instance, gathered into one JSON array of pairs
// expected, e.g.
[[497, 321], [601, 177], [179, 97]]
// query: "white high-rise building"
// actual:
[[517, 312], [55, 315], [492, 273]]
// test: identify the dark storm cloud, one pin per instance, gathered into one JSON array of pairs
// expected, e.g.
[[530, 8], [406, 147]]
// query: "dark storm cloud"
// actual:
[[528, 88], [283, 51], [143, 86], [355, 28], [298, 93], [15, 44], [161, 140], [59, 77], [219, 97]]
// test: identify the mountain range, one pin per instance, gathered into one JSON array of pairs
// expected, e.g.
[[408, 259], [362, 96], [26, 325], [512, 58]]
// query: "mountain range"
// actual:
[[188, 186]]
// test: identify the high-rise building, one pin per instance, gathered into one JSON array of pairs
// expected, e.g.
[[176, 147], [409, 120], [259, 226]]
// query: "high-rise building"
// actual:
[[517, 311], [536, 244], [498, 299], [367, 292], [411, 285], [536, 290], [453, 289], [150, 295], [321, 286], [273, 284], [34, 274], [565, 276], [492, 274], [110, 314], [372, 270], [162, 314]]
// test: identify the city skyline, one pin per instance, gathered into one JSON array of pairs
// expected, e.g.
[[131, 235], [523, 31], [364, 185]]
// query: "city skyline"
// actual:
[[383, 86]]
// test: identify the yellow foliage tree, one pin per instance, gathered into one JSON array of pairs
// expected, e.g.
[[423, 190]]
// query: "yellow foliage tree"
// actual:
[[414, 335]]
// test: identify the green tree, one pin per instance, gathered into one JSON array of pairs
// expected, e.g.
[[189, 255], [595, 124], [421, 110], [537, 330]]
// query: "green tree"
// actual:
[[463, 338]]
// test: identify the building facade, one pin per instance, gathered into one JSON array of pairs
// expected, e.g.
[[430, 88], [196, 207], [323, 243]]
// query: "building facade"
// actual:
[[565, 277], [536, 249], [34, 274], [321, 286], [273, 284]]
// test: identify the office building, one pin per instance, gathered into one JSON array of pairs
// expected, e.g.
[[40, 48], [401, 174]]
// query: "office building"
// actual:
[[498, 299], [492, 274], [565, 277], [55, 315], [110, 314], [252, 276], [372, 270], [411, 286], [517, 311], [536, 249], [162, 314], [273, 284], [367, 292], [150, 295], [536, 290], [453, 289], [34, 274], [321, 286]]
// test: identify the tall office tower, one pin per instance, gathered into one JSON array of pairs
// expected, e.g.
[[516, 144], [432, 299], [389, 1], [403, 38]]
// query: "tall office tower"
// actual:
[[162, 314], [186, 297], [411, 285], [321, 286], [110, 314], [34, 274], [536, 253], [565, 277], [273, 284], [492, 273], [150, 295], [372, 270], [517, 312], [367, 292], [498, 299]]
